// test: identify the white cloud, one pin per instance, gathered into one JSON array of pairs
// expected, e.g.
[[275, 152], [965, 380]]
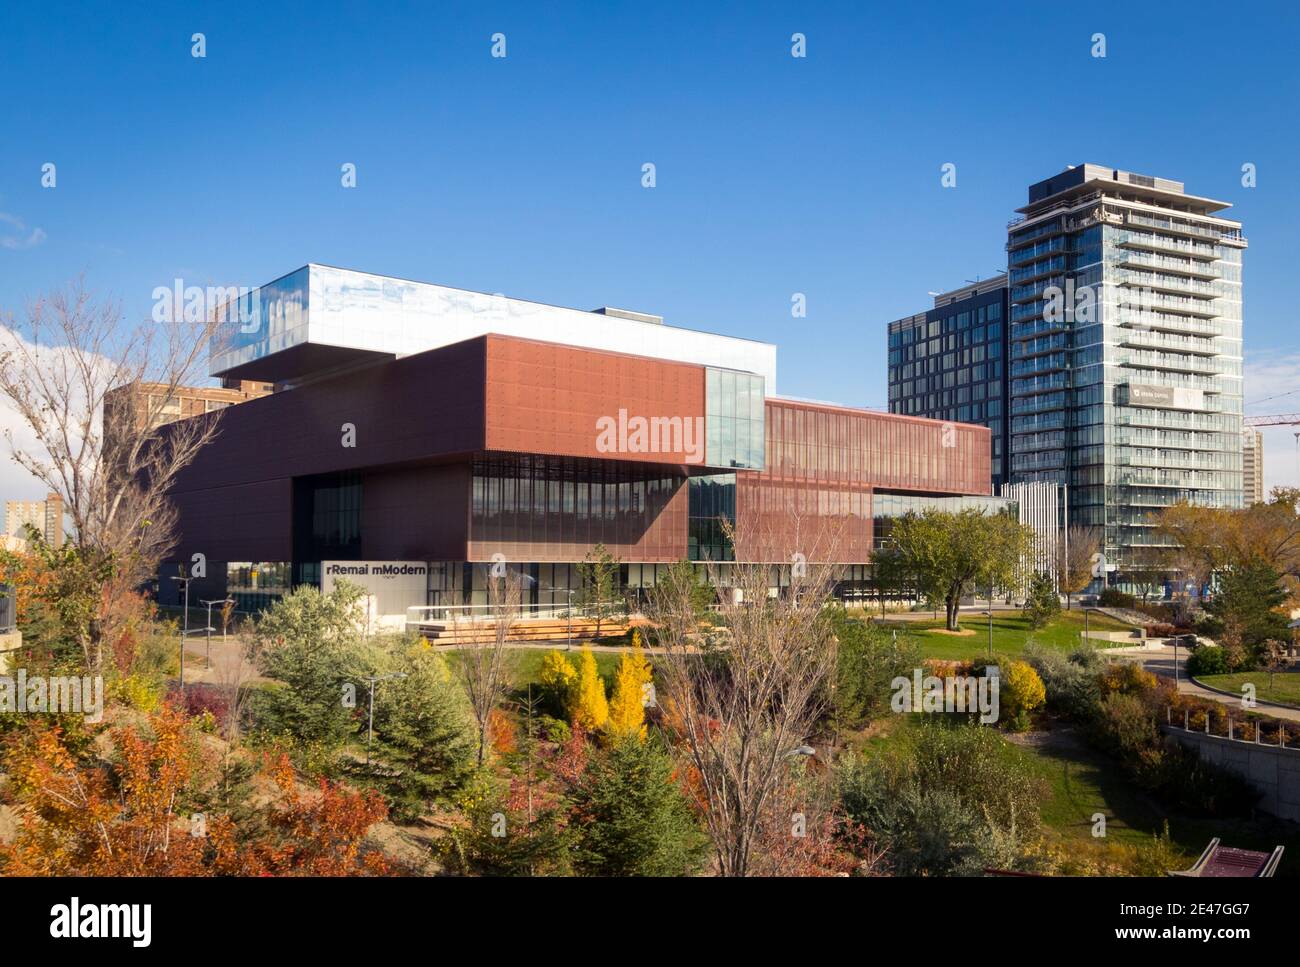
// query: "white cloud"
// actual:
[[17, 237], [15, 482], [1272, 386]]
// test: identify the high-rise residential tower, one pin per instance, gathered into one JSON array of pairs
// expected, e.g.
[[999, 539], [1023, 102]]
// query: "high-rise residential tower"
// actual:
[[1125, 326], [46, 516], [1252, 465]]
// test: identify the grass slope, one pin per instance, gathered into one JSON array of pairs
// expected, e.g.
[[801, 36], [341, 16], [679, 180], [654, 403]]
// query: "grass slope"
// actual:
[[1011, 632]]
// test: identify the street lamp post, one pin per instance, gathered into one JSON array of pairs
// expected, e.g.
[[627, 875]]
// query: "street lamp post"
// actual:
[[210, 629], [185, 619], [568, 624], [1087, 625], [990, 619], [185, 634]]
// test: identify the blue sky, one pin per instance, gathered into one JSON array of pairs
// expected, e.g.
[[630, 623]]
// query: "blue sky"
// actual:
[[522, 175]]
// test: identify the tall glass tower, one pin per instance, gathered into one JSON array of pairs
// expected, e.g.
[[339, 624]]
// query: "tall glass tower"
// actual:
[[1125, 320]]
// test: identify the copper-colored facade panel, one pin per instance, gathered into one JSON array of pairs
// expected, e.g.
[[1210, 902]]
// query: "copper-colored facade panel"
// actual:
[[826, 444], [778, 521], [547, 399], [823, 463]]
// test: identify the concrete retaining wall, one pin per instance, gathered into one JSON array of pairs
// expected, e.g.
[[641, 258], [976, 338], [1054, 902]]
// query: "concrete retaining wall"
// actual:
[[1274, 771]]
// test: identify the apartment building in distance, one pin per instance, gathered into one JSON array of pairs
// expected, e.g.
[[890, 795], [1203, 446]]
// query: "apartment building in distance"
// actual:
[[153, 401], [1252, 465], [46, 516]]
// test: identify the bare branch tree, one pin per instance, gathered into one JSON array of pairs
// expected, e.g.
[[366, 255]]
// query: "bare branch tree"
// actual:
[[741, 705], [483, 667], [92, 390], [1077, 559]]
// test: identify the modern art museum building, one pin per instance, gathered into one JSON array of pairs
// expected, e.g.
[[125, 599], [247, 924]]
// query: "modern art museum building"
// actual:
[[420, 434]]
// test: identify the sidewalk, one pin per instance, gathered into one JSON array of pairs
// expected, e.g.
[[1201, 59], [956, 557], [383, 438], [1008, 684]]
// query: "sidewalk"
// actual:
[[1161, 662]]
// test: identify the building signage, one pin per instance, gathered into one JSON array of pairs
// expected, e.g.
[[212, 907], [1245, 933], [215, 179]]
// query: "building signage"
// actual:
[[1172, 397], [381, 569], [391, 587], [1150, 395]]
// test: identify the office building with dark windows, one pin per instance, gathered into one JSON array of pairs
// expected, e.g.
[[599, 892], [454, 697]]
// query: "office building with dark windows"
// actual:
[[420, 435], [950, 363]]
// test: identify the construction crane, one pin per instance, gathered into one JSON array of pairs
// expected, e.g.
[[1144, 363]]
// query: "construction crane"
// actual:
[[1284, 419]]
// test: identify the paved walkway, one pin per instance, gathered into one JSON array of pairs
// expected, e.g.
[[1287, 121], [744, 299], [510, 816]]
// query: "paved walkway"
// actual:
[[228, 665], [965, 612], [1161, 662]]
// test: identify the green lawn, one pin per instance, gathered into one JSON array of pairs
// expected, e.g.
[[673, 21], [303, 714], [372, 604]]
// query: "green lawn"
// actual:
[[1011, 632], [1284, 691], [1082, 782]]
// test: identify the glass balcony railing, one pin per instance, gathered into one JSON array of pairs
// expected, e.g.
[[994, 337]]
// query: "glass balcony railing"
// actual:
[[1168, 361], [1036, 269], [1165, 321], [1159, 243], [1162, 281], [1040, 384], [1182, 227], [1215, 419], [1146, 338], [1203, 270]]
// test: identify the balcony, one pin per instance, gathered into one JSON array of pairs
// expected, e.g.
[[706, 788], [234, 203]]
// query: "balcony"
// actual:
[[1051, 363], [1163, 322], [1198, 270], [1156, 243], [1025, 348], [1218, 422], [1142, 338], [1160, 282], [1167, 362], [1168, 303], [1040, 384], [1180, 227]]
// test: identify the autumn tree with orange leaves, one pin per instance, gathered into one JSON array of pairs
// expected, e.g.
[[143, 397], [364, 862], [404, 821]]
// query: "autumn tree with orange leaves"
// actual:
[[132, 815]]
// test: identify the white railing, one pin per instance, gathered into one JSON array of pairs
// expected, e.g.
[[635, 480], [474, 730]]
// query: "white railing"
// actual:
[[418, 615]]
